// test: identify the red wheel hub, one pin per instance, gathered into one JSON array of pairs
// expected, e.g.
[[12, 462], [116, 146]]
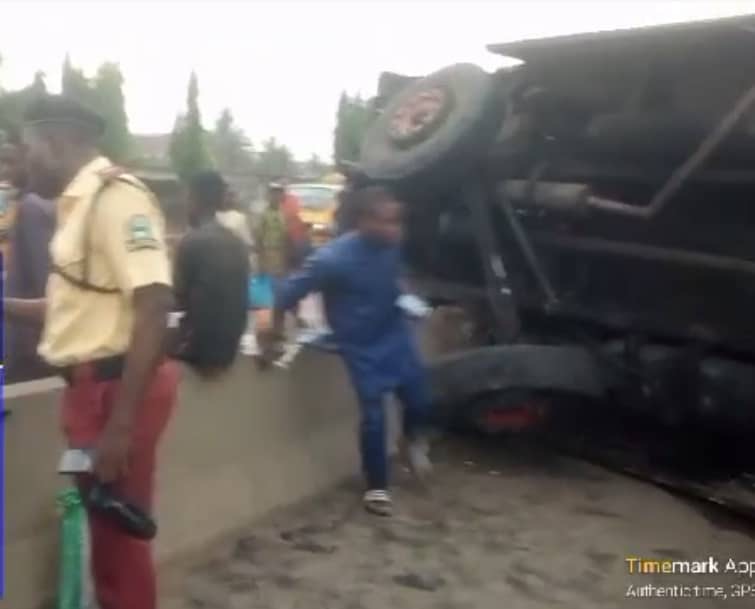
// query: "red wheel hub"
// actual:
[[417, 116], [514, 417]]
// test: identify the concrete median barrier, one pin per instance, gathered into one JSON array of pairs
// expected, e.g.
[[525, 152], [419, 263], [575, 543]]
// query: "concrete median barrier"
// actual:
[[237, 447]]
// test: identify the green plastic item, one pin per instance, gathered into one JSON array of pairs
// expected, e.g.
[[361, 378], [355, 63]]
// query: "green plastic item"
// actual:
[[75, 590]]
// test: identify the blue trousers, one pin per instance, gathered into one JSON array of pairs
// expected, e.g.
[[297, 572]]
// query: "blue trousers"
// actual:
[[414, 397]]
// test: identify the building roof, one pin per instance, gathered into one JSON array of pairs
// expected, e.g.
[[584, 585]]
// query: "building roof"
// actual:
[[153, 145]]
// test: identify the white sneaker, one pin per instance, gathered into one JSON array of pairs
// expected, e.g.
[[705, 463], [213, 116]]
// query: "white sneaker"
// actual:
[[378, 502], [418, 456]]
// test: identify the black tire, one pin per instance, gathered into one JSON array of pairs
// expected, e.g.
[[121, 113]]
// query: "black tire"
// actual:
[[459, 378], [389, 84], [452, 143]]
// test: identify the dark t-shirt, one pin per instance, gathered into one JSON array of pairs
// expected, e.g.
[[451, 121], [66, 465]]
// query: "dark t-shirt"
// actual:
[[26, 278], [211, 284]]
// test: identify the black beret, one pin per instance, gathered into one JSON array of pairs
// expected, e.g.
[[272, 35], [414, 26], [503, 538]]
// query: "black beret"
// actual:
[[208, 179], [62, 109]]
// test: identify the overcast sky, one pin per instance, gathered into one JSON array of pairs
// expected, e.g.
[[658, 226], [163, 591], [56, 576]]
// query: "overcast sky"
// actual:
[[280, 66]]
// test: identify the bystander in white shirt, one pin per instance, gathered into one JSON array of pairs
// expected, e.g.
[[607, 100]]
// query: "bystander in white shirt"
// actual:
[[237, 223]]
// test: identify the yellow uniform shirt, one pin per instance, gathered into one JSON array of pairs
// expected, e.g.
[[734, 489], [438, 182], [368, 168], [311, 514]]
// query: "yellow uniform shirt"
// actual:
[[127, 252]]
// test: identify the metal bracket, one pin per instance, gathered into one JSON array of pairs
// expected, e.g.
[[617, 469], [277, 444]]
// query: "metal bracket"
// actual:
[[508, 325], [551, 300]]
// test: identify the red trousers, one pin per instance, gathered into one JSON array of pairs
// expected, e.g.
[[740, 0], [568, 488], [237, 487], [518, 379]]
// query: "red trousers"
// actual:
[[122, 567]]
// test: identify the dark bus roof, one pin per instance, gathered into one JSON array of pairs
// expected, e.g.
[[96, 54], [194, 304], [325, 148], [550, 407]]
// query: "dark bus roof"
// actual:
[[622, 40]]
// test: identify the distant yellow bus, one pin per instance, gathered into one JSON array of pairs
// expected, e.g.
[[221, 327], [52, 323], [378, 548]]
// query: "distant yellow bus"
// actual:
[[317, 207]]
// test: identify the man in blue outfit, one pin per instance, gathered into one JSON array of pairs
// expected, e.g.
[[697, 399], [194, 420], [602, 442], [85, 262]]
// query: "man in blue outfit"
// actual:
[[358, 275]]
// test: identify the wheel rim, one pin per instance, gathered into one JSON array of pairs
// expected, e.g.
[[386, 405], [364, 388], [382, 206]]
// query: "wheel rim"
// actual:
[[417, 117]]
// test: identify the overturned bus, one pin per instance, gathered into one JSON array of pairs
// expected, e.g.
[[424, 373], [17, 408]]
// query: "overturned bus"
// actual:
[[593, 208]]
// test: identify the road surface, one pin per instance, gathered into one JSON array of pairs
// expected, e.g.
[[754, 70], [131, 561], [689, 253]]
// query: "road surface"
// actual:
[[504, 524]]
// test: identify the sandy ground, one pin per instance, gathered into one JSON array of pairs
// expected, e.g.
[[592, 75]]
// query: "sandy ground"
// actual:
[[502, 525]]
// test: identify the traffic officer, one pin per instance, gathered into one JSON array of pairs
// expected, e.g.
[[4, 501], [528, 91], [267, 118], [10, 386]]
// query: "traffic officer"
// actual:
[[104, 315]]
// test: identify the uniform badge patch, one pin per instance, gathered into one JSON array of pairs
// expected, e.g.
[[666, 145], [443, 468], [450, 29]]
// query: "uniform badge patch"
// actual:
[[139, 234]]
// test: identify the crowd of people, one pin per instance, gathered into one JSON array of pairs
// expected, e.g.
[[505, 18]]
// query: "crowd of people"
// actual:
[[90, 287]]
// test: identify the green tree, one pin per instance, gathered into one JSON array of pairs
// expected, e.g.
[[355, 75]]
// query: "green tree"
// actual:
[[110, 103], [188, 146], [275, 160], [231, 148], [38, 86], [14, 103], [75, 84], [352, 120], [339, 135], [315, 167], [104, 95]]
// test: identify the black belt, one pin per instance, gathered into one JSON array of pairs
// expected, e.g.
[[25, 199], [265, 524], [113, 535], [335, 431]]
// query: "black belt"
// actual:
[[100, 370]]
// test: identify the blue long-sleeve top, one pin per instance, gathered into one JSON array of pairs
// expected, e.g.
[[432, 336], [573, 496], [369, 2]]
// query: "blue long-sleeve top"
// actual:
[[359, 282]]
